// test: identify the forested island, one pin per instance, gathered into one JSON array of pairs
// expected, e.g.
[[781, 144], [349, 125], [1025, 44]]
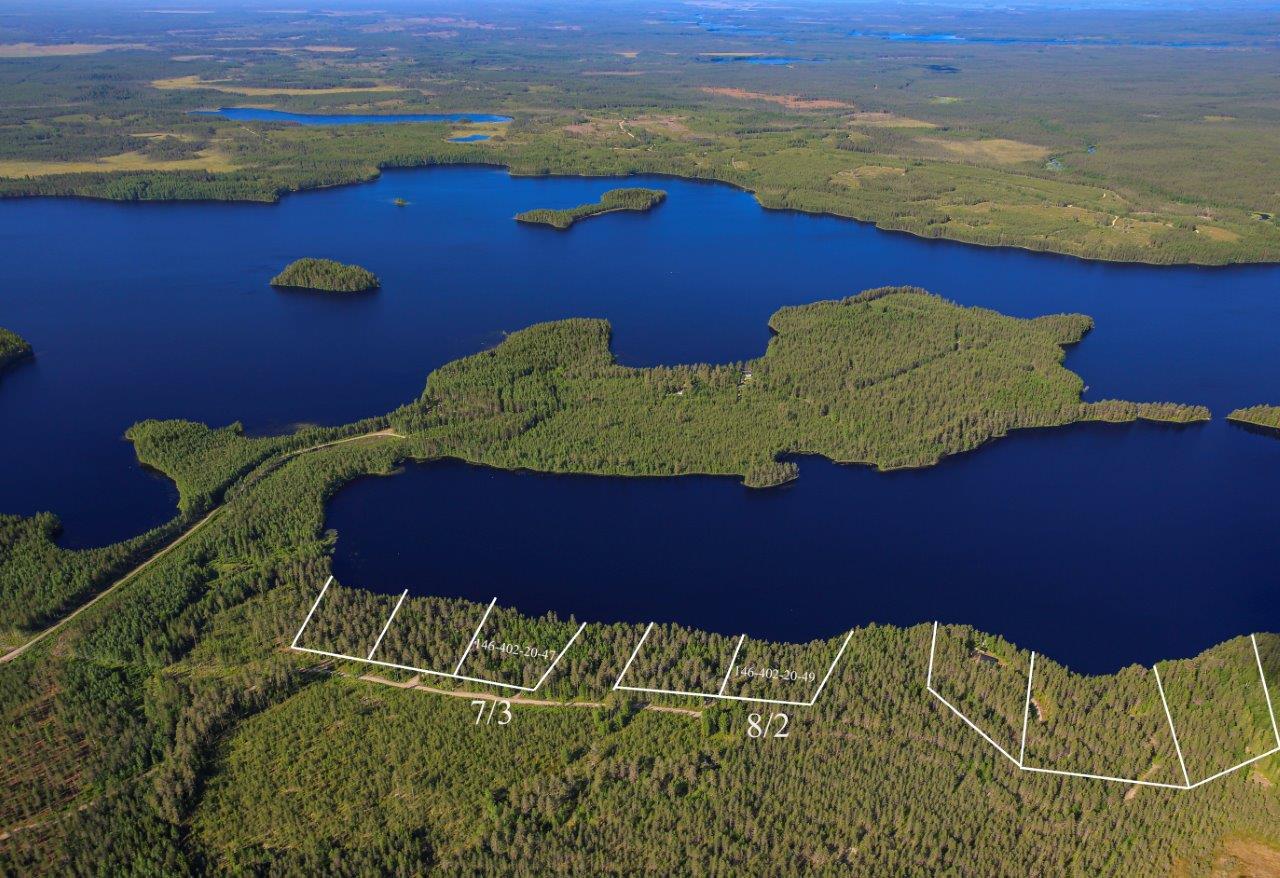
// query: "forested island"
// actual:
[[13, 348], [326, 275], [1258, 416], [636, 199]]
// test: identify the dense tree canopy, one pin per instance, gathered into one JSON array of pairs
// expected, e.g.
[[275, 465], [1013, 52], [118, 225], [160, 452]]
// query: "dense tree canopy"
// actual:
[[1258, 415], [326, 275], [176, 734], [893, 377], [615, 199]]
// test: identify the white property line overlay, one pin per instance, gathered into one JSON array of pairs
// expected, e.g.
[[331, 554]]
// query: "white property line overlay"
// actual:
[[1020, 761], [1173, 732], [472, 642], [383, 632], [370, 660], [635, 652]]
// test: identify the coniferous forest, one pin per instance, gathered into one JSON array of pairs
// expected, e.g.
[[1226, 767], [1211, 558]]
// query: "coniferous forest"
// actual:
[[176, 733], [639, 200], [205, 697], [326, 275]]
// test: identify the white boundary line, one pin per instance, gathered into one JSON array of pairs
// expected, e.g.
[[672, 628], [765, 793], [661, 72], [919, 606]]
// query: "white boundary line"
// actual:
[[1172, 731], [733, 661], [383, 632], [720, 695], [839, 655], [551, 666], [1020, 762], [1265, 691], [370, 660], [305, 622], [472, 642], [617, 684], [1026, 711]]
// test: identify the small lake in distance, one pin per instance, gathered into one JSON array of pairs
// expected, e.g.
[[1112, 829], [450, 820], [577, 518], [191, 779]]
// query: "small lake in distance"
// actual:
[[1096, 545]]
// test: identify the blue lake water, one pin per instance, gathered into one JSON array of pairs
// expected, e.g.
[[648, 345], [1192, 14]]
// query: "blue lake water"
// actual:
[[1097, 545], [469, 138], [901, 37], [258, 114]]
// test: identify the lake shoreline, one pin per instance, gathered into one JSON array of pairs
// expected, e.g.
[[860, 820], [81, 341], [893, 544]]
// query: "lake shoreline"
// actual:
[[481, 162]]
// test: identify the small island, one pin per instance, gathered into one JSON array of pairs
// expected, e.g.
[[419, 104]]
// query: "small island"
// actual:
[[1267, 416], [327, 276], [614, 199], [13, 348]]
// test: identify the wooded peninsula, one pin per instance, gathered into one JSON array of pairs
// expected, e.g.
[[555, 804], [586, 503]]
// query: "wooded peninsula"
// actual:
[[160, 710], [636, 199], [893, 377]]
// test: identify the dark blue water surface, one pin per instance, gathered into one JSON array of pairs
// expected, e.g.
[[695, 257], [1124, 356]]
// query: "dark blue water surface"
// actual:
[[1097, 545], [258, 114]]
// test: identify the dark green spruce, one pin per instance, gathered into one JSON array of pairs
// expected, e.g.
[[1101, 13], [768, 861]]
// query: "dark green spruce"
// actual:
[[614, 199]]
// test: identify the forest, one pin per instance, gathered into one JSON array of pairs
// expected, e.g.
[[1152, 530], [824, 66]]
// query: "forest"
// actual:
[[153, 718], [1257, 416], [636, 199], [893, 377], [1155, 153], [325, 275], [177, 734]]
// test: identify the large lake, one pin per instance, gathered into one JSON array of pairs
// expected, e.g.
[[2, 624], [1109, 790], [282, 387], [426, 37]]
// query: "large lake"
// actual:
[[1097, 545]]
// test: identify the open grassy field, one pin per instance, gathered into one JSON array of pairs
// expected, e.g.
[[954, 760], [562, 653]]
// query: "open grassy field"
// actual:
[[196, 83], [207, 160], [1123, 140], [59, 50]]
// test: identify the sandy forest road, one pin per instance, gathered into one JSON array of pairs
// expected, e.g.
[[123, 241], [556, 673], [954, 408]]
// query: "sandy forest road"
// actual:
[[517, 699], [181, 538], [416, 684], [19, 650]]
